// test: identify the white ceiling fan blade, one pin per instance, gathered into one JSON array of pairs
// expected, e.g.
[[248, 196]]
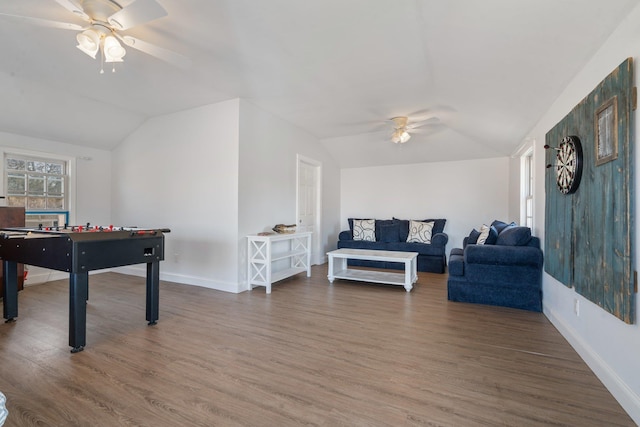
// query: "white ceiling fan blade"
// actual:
[[429, 121], [157, 51], [138, 12], [43, 22], [429, 130], [74, 8]]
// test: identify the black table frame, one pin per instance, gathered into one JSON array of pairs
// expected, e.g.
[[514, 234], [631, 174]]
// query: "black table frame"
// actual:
[[84, 253]]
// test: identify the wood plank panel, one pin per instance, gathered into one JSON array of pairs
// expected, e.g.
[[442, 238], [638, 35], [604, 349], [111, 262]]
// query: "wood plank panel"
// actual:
[[588, 243]]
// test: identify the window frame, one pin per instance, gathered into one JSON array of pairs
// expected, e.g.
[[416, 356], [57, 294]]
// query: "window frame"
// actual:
[[71, 174], [527, 188]]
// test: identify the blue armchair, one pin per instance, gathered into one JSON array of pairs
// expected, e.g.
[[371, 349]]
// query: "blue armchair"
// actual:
[[507, 273]]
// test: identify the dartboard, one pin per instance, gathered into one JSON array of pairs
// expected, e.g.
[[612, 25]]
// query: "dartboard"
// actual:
[[569, 164]]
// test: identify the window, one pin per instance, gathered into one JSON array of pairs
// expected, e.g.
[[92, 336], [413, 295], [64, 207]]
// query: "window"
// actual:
[[40, 185], [527, 189]]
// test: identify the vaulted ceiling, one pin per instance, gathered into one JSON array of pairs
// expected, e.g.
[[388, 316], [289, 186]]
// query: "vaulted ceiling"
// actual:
[[482, 72]]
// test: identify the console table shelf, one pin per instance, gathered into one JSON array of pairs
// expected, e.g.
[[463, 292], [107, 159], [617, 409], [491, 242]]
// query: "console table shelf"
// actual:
[[277, 256]]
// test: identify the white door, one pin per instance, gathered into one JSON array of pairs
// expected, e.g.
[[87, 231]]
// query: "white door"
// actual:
[[308, 204]]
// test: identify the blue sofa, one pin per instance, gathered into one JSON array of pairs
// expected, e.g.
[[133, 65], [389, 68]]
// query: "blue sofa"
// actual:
[[391, 235], [505, 271]]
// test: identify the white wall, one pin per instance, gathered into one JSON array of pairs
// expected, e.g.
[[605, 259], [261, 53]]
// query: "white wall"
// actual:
[[180, 171], [91, 195], [610, 347], [213, 175], [267, 178], [467, 193]]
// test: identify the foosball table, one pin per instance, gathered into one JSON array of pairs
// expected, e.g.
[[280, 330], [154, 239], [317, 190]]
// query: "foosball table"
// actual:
[[78, 250]]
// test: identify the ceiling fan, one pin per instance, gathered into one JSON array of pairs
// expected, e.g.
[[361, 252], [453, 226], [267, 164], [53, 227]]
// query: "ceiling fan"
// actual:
[[402, 127], [106, 20]]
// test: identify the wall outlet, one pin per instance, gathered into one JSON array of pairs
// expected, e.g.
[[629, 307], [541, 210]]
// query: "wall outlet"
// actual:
[[576, 306]]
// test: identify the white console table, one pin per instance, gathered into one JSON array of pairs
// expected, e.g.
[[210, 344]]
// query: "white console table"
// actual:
[[276, 257]]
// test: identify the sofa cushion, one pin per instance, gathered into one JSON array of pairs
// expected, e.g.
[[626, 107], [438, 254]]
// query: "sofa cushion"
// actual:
[[363, 244], [421, 248], [420, 232], [388, 233], [514, 236], [364, 229]]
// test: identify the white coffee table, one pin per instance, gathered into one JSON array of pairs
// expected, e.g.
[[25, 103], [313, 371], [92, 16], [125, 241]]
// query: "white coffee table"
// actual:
[[338, 267]]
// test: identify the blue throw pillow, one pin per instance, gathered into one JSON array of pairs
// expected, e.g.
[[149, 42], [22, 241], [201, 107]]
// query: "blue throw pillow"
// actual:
[[492, 238], [380, 223], [501, 226], [389, 233], [403, 227], [473, 237], [514, 236]]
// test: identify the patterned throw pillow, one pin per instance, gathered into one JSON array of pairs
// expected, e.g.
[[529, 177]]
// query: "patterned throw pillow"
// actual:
[[484, 233], [364, 229], [420, 232], [488, 235]]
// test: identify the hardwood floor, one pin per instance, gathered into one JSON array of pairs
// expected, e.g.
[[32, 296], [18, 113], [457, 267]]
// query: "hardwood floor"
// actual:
[[347, 354]]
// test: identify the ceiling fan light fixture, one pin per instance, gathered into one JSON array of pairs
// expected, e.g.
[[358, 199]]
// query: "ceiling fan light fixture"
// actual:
[[88, 42], [113, 51], [400, 136], [404, 136]]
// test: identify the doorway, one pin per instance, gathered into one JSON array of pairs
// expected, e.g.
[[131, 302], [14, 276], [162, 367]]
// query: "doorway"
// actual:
[[308, 212]]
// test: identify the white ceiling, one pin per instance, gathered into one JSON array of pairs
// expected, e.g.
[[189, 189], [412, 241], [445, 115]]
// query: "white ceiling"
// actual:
[[338, 69]]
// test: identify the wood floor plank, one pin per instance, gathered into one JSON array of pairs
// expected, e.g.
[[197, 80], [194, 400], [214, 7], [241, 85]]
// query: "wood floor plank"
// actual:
[[311, 353]]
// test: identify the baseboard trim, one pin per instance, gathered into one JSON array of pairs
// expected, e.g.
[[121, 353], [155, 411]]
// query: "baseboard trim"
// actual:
[[49, 275], [628, 399], [183, 279]]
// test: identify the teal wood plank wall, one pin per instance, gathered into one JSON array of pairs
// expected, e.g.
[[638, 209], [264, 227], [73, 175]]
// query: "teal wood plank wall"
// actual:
[[588, 234]]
